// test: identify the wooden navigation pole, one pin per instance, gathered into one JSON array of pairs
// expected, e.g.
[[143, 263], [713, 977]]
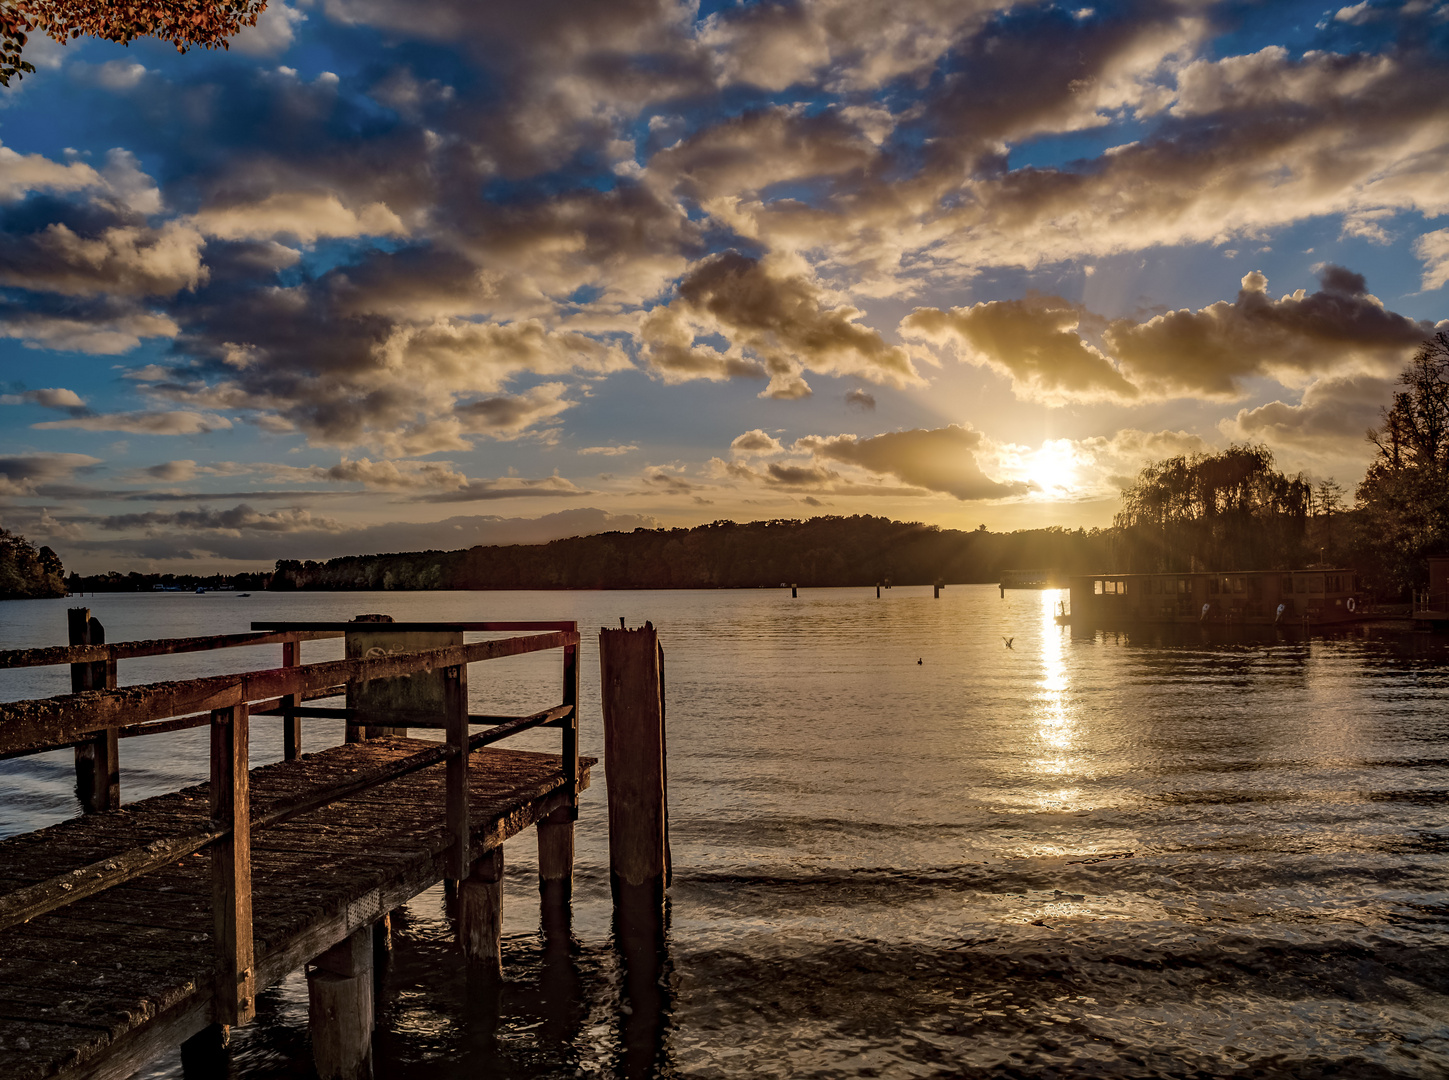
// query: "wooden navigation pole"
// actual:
[[97, 760], [633, 706]]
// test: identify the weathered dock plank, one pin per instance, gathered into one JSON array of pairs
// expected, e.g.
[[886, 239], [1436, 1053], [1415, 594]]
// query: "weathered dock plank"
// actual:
[[97, 988]]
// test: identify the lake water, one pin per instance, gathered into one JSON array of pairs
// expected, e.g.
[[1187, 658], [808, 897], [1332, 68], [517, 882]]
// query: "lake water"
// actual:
[[902, 849]]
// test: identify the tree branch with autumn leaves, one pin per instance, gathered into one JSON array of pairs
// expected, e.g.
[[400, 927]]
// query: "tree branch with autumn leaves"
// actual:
[[184, 23]]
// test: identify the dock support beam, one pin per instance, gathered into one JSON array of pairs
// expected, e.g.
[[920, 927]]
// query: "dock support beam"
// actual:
[[340, 1008], [480, 913], [633, 701], [97, 760]]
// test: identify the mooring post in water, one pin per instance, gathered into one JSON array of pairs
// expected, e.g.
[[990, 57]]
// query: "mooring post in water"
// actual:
[[633, 705], [340, 1011], [794, 592], [556, 831], [877, 590], [97, 760], [480, 913]]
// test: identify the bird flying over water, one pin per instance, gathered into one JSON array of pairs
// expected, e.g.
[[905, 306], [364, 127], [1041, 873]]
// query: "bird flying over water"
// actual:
[[1008, 641]]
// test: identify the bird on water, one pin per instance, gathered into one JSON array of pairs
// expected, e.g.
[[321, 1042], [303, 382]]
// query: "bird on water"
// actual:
[[1008, 641], [922, 660]]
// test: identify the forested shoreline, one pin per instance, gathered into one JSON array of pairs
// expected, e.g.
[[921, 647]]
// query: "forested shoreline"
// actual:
[[28, 574]]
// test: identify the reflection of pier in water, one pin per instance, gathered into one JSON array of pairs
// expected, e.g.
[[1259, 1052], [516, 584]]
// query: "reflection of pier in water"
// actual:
[[130, 930]]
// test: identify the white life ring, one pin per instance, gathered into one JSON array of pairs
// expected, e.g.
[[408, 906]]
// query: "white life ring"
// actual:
[[1205, 609], [1350, 604]]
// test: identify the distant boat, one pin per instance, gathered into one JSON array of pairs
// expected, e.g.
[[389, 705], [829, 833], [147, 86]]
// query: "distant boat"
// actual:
[[241, 594], [1316, 595], [200, 590]]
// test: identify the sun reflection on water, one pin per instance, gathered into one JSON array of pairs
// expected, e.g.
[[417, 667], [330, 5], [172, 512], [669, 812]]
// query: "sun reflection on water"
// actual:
[[1056, 731]]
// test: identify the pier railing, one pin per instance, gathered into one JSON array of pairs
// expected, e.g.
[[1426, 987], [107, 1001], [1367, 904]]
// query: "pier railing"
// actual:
[[226, 704]]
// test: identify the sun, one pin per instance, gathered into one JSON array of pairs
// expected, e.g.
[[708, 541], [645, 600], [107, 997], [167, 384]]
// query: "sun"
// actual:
[[1053, 469]]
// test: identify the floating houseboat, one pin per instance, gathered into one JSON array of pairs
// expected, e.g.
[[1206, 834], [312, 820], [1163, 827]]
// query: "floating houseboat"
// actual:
[[1247, 597]]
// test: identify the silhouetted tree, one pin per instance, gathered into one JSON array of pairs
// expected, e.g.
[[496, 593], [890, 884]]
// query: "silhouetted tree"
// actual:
[[1226, 511], [26, 573], [1404, 496]]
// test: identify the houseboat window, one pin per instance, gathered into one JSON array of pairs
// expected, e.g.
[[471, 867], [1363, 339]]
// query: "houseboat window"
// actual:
[[1097, 588], [1213, 586], [1287, 586], [1183, 586], [1238, 584]]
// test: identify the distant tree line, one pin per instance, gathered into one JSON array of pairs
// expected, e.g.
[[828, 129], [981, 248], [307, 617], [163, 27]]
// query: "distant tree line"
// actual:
[[136, 582], [821, 551], [26, 573]]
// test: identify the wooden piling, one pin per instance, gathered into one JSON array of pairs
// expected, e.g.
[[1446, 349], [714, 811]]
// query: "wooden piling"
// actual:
[[455, 717], [480, 913], [794, 592], [634, 756], [936, 595], [340, 1010], [204, 1056], [231, 867], [97, 760]]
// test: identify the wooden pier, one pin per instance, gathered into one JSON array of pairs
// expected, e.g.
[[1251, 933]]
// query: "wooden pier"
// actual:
[[139, 927]]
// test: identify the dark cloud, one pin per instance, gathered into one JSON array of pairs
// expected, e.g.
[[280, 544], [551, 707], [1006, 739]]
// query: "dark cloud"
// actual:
[[938, 459], [26, 474], [1211, 350], [782, 318], [1035, 342], [1332, 417], [509, 487], [860, 399]]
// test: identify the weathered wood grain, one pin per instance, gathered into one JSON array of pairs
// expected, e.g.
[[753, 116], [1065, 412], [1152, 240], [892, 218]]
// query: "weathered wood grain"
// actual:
[[325, 874], [47, 722]]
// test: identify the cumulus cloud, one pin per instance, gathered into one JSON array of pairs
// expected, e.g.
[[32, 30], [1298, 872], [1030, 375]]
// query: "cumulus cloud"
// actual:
[[756, 442], [21, 174], [27, 474], [105, 329], [1341, 328], [56, 397], [302, 216], [610, 451], [778, 318], [122, 260], [938, 459], [860, 399], [508, 415], [273, 32], [175, 422], [1433, 251], [1034, 342], [1331, 417]]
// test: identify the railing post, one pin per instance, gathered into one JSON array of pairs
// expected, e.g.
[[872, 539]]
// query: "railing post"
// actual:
[[291, 723], [455, 712], [97, 760], [231, 866]]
